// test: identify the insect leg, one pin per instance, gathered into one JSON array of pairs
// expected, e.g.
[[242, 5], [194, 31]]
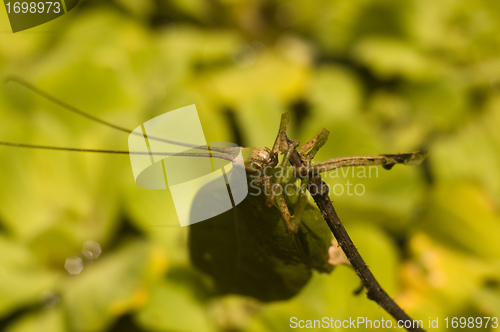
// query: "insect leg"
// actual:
[[280, 144], [313, 145], [268, 190], [280, 203], [292, 223], [278, 193], [387, 161], [300, 205], [282, 168], [286, 158]]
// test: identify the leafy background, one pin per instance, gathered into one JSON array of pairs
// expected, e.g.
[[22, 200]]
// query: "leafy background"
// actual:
[[383, 76]]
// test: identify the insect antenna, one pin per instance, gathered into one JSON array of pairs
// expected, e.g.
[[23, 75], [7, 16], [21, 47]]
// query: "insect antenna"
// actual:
[[222, 153], [64, 105], [177, 154]]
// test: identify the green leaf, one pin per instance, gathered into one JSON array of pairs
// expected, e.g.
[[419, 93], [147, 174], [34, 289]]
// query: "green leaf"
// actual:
[[473, 153], [22, 278], [153, 213], [392, 57], [44, 320], [248, 251], [441, 281], [174, 307], [463, 217], [117, 284]]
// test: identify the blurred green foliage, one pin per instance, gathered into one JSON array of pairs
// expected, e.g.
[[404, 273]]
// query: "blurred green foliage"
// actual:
[[383, 76]]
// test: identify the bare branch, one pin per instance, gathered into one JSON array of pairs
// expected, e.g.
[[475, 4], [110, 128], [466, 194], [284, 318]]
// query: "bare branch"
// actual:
[[374, 290]]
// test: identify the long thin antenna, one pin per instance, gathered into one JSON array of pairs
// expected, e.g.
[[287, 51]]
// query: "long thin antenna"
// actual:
[[178, 154], [61, 103], [84, 114]]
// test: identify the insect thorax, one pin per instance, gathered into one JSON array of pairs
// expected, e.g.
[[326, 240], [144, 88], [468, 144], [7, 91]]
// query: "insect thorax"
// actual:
[[256, 159]]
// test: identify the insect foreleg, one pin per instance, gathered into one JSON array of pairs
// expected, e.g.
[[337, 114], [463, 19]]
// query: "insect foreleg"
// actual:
[[292, 223], [278, 192], [281, 174], [283, 165], [313, 145], [280, 144], [268, 189], [285, 213], [300, 205]]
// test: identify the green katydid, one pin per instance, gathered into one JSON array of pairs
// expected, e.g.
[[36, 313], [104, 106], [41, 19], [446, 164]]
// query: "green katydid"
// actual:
[[249, 250], [267, 246]]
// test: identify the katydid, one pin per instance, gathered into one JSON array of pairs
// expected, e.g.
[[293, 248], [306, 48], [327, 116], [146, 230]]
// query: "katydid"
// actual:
[[267, 246]]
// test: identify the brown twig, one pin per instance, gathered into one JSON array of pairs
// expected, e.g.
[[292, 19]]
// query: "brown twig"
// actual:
[[374, 290]]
